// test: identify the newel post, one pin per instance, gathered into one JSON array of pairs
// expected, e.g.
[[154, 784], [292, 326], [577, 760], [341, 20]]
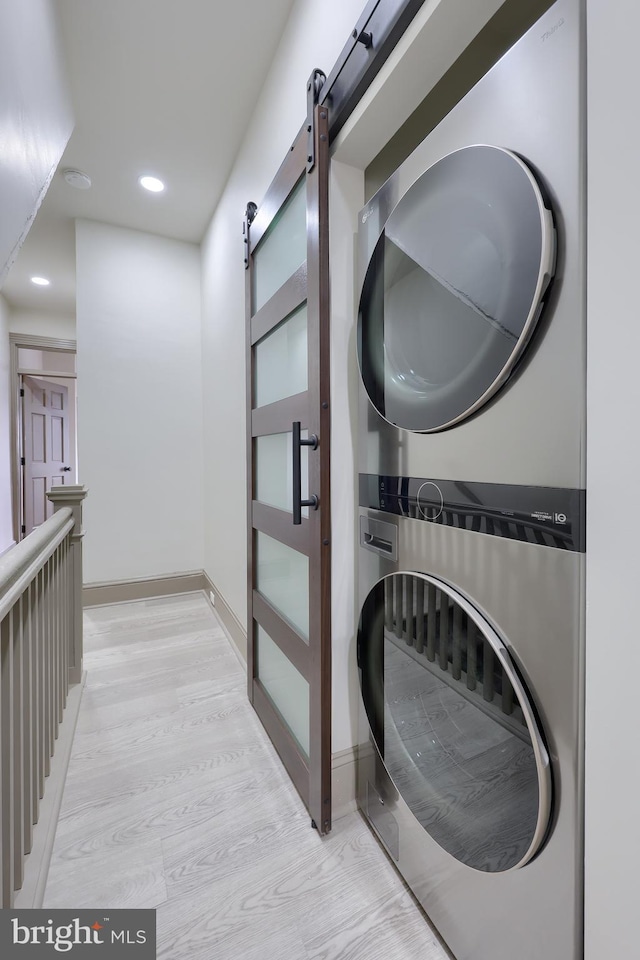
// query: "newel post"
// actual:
[[72, 496]]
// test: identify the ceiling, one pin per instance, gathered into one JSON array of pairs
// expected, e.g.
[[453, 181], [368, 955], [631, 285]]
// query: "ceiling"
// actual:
[[158, 87]]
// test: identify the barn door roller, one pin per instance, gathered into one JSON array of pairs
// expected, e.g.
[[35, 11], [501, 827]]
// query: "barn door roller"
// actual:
[[314, 86]]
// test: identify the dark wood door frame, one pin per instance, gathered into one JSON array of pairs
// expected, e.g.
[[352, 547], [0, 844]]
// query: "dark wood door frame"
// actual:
[[310, 284]]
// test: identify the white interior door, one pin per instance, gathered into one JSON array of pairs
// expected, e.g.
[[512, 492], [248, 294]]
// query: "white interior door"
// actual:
[[45, 447]]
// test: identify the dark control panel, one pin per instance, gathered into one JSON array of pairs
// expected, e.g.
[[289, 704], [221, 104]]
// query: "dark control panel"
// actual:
[[547, 516]]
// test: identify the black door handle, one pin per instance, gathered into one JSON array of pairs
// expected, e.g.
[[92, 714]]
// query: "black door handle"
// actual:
[[66, 469], [298, 443]]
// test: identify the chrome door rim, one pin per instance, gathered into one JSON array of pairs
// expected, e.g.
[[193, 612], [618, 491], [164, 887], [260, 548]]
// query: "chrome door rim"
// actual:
[[546, 271], [541, 754]]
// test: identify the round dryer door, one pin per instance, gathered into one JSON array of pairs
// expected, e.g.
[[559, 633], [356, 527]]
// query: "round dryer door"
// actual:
[[452, 722], [454, 288]]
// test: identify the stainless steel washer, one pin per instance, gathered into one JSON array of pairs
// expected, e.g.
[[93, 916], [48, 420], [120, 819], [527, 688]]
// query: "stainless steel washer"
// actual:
[[471, 344]]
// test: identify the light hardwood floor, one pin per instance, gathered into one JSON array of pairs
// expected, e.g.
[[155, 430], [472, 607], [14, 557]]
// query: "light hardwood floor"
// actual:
[[176, 799]]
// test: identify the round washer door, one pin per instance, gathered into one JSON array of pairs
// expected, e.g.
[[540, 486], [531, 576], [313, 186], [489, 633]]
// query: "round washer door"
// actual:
[[454, 288], [452, 722]]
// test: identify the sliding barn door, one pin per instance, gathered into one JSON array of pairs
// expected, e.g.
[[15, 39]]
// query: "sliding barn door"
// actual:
[[289, 569]]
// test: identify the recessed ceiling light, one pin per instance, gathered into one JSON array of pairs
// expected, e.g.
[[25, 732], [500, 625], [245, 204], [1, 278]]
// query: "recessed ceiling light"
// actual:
[[76, 178], [152, 184], [40, 281]]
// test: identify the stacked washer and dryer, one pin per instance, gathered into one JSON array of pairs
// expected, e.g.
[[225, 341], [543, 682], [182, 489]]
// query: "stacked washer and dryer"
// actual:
[[471, 345]]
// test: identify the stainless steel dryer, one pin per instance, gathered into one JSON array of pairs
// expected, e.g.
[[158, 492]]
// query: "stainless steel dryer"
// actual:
[[471, 344]]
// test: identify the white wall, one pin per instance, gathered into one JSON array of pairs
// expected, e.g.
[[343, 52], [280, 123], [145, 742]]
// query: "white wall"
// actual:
[[140, 402], [42, 324], [613, 469], [35, 116], [346, 197], [313, 37], [6, 533]]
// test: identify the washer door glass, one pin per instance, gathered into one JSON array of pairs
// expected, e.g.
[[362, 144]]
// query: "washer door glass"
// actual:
[[454, 288], [452, 722]]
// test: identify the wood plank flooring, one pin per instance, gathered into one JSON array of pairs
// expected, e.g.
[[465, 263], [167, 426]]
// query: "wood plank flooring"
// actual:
[[176, 799]]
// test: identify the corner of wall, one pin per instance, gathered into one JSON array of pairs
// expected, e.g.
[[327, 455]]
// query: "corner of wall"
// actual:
[[6, 524]]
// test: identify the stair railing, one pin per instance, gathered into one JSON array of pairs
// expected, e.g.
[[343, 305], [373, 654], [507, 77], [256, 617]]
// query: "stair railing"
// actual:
[[41, 660]]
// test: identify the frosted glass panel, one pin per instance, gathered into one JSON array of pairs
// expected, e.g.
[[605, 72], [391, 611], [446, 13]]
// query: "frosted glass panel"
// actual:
[[281, 360], [283, 247], [273, 470], [287, 688], [283, 579]]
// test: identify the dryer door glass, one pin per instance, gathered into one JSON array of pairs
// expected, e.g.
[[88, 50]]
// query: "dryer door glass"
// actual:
[[454, 288], [452, 722]]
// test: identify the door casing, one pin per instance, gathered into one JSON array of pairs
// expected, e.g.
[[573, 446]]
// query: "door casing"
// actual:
[[33, 342]]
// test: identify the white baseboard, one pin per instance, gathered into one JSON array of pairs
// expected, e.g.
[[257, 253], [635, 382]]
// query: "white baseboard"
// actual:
[[143, 588], [343, 783], [232, 626]]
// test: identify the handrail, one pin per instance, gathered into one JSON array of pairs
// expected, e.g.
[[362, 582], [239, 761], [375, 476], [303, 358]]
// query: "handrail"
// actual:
[[40, 667], [19, 566]]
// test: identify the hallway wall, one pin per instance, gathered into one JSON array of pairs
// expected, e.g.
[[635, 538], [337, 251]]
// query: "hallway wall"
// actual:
[[36, 119], [314, 36], [43, 324], [140, 402], [612, 783], [6, 534], [36, 116]]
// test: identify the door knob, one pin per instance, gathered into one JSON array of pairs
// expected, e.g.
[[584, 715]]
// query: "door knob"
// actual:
[[66, 469]]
